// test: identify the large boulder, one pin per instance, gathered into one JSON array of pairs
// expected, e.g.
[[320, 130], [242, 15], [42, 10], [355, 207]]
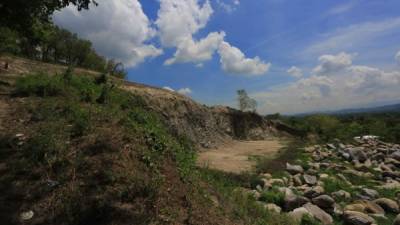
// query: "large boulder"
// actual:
[[299, 213], [370, 193], [357, 218], [371, 207], [388, 205], [273, 208], [314, 192], [357, 153], [341, 194], [324, 201], [319, 214], [294, 169]]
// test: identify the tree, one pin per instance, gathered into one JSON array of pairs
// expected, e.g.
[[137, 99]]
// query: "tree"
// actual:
[[21, 14], [245, 102]]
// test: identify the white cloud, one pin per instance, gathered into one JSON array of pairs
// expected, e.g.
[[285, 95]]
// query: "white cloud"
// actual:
[[118, 29], [295, 72], [350, 86], [234, 61], [333, 63], [197, 52], [178, 20], [185, 91], [230, 6], [168, 88], [354, 36], [397, 57], [182, 91]]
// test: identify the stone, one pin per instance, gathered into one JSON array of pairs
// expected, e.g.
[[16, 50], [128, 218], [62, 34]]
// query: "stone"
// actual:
[[357, 218], [298, 213], [371, 207], [341, 194], [388, 205], [324, 201], [294, 169], [273, 208], [395, 155], [358, 154], [27, 215], [297, 180], [314, 192], [292, 202], [310, 179], [319, 214], [355, 207], [371, 193]]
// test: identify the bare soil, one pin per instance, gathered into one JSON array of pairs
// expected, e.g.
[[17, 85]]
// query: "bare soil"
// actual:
[[238, 156]]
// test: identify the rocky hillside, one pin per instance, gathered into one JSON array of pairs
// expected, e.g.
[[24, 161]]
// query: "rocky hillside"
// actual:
[[353, 184], [205, 126]]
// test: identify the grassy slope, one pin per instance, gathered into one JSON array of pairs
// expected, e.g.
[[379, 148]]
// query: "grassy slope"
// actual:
[[83, 160]]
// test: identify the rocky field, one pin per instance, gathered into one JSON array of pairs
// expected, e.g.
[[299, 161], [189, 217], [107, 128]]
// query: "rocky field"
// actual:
[[337, 183]]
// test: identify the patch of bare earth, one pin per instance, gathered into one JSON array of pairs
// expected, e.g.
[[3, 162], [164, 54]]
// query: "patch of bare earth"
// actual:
[[235, 156]]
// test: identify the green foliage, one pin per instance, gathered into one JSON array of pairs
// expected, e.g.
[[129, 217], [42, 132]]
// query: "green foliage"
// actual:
[[308, 220], [345, 127], [273, 196], [39, 85]]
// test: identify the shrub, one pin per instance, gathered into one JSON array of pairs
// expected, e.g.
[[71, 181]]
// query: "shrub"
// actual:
[[273, 196], [39, 85]]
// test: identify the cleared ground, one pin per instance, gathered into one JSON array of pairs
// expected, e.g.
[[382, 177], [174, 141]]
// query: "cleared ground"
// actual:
[[236, 156]]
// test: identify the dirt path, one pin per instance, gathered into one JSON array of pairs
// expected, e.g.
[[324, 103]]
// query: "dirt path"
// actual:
[[235, 156]]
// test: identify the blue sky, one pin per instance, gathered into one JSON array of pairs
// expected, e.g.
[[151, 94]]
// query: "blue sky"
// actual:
[[290, 55]]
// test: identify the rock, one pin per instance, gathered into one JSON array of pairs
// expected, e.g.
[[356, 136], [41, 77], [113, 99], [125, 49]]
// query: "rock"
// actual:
[[324, 201], [297, 180], [371, 193], [331, 146], [273, 208], [299, 213], [341, 195], [396, 221], [310, 179], [388, 205], [319, 214], [277, 181], [314, 192], [294, 169], [323, 176], [357, 218], [358, 154], [27, 215], [395, 155], [371, 207], [355, 207], [292, 202]]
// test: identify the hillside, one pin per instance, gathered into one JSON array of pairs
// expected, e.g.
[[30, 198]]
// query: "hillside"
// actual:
[[74, 150]]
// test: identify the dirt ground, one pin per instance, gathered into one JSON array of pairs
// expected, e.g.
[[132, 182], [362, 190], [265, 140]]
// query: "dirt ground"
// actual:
[[3, 112], [236, 156]]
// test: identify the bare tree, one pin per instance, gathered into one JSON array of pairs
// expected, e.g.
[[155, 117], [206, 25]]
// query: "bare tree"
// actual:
[[245, 102]]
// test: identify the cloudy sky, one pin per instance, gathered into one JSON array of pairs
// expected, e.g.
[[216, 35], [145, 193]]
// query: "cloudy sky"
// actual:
[[292, 56]]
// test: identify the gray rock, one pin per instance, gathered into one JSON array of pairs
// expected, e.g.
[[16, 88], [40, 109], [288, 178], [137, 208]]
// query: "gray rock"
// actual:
[[395, 155], [319, 214], [371, 207], [324, 201], [341, 194], [299, 213], [26, 215], [293, 202], [273, 208], [314, 192], [371, 193], [294, 169], [358, 154], [388, 205], [310, 179], [357, 218]]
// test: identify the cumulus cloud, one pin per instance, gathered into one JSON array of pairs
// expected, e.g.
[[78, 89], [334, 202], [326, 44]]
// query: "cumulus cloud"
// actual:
[[234, 61], [178, 21], [397, 57], [197, 51], [185, 91], [330, 89], [168, 88], [295, 72], [333, 63], [117, 29]]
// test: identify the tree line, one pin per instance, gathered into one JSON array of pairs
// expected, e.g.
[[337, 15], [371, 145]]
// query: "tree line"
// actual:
[[27, 30]]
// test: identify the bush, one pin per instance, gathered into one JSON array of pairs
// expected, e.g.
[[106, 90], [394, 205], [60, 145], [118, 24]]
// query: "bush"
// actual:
[[39, 85], [273, 196]]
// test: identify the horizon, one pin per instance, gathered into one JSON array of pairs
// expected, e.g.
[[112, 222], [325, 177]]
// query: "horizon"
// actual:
[[291, 57]]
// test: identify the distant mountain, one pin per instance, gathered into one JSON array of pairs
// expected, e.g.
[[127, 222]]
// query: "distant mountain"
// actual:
[[378, 109]]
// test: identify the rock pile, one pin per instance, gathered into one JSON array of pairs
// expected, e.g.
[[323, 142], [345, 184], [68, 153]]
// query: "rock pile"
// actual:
[[357, 184]]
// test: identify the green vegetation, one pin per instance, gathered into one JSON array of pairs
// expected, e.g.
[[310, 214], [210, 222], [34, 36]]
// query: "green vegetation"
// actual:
[[345, 127]]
